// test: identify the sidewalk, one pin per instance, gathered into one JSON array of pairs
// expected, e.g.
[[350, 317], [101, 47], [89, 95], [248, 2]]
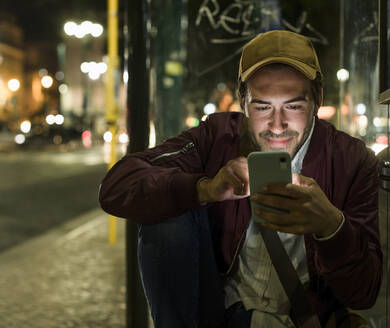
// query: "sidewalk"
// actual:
[[69, 277]]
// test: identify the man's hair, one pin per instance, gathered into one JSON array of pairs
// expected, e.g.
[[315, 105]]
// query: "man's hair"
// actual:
[[316, 86]]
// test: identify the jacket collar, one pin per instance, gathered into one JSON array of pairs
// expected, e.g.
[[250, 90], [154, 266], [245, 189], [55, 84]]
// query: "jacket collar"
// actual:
[[316, 146]]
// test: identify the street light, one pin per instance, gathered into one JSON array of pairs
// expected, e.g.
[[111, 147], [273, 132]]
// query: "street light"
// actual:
[[93, 69], [83, 29], [342, 75], [25, 126], [47, 81], [13, 85], [70, 28], [80, 31]]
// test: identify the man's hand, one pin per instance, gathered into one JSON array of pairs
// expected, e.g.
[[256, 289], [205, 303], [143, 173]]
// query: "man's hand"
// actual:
[[309, 210], [231, 182]]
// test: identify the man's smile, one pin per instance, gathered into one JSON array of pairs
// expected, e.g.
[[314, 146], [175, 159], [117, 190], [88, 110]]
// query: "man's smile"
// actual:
[[278, 142]]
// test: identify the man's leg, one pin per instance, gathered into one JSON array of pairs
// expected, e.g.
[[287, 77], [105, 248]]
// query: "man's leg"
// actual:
[[179, 273]]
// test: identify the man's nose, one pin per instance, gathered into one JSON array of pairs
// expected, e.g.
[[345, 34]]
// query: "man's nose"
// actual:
[[277, 122]]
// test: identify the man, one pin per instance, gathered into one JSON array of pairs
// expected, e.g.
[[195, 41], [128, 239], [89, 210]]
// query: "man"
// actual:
[[203, 262]]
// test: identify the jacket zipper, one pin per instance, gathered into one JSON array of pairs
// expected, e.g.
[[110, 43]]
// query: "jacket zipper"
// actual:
[[183, 150]]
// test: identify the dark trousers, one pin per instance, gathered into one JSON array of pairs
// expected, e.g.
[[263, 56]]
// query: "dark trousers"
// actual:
[[180, 277]]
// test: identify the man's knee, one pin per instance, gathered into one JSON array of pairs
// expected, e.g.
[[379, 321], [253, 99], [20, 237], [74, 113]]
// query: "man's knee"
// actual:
[[175, 232]]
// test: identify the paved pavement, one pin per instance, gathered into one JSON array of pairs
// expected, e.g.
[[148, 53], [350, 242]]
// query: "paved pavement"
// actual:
[[68, 277], [72, 277]]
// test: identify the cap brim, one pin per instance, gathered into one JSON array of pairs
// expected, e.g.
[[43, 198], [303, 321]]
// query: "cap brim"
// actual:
[[307, 70]]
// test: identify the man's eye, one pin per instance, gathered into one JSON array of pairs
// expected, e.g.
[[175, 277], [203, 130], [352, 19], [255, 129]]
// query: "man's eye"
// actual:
[[293, 107], [262, 107]]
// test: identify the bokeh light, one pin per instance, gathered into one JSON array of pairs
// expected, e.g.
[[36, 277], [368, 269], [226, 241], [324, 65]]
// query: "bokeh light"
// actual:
[[83, 29], [342, 75], [47, 81], [86, 27], [84, 67], [96, 30], [377, 122], [86, 138], [209, 108], [192, 121], [360, 109], [326, 112], [107, 136], [70, 28], [14, 85], [63, 88], [60, 76], [93, 69], [25, 126], [123, 138], [20, 139], [363, 121], [59, 119], [93, 75], [42, 72], [50, 119]]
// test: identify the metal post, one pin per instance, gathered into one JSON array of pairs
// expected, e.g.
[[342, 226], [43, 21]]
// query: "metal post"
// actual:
[[111, 99], [138, 127]]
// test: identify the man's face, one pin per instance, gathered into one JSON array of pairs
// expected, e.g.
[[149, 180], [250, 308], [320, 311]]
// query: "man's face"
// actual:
[[280, 108]]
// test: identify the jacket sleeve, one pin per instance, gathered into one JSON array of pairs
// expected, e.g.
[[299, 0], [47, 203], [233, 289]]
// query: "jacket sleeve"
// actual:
[[351, 261], [158, 183]]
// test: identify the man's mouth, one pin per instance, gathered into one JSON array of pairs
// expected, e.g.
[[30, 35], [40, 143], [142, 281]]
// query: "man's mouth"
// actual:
[[278, 142]]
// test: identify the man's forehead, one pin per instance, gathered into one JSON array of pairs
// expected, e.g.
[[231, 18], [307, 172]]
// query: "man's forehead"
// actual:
[[283, 88]]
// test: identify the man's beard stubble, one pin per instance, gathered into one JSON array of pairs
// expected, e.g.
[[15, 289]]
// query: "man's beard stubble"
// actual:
[[285, 134]]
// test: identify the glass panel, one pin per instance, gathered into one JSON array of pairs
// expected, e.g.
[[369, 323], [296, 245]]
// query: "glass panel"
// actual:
[[361, 115]]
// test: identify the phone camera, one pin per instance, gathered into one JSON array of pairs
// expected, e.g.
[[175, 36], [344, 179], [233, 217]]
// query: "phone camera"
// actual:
[[283, 160]]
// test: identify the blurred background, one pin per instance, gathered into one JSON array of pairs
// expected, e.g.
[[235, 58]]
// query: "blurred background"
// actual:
[[55, 143]]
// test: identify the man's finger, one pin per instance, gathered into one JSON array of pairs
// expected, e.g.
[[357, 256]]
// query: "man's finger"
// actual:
[[234, 181], [287, 190], [276, 201], [279, 219], [238, 168]]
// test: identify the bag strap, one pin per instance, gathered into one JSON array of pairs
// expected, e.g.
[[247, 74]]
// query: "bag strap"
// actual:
[[301, 309]]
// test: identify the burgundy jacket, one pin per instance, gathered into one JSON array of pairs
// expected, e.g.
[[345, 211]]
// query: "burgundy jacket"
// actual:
[[159, 183]]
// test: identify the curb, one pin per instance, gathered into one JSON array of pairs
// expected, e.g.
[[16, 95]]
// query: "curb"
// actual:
[[56, 236]]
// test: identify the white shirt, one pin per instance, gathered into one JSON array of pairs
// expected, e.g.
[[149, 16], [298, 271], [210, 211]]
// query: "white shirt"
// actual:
[[256, 283]]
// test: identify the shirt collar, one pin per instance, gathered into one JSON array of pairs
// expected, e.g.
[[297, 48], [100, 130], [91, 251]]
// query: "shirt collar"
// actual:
[[296, 163]]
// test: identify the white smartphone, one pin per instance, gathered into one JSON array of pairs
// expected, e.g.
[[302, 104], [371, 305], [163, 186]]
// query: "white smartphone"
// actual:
[[267, 168]]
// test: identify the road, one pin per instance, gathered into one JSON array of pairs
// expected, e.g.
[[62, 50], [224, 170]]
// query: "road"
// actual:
[[42, 189]]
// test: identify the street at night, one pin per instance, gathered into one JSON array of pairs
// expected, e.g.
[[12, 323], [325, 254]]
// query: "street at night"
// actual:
[[42, 189], [177, 234], [57, 266]]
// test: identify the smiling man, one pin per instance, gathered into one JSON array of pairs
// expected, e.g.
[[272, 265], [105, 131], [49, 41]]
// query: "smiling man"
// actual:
[[203, 261], [280, 108]]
